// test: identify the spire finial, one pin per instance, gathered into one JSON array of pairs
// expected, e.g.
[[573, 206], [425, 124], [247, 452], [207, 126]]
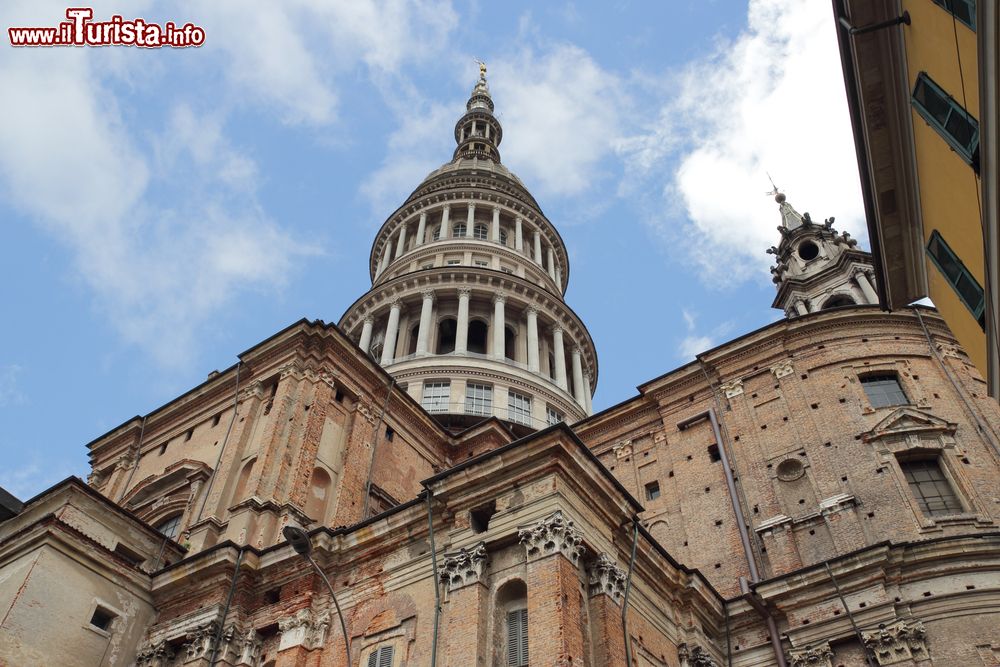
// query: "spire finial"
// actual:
[[482, 68], [778, 195]]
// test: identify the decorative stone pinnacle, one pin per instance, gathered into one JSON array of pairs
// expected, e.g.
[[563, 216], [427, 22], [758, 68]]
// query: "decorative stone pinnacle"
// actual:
[[606, 577], [553, 534], [464, 567]]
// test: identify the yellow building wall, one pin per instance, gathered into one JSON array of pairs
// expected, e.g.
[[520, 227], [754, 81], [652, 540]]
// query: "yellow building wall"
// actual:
[[949, 188]]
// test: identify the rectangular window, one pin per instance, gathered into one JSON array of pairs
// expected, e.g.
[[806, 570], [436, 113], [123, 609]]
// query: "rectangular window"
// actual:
[[519, 408], [436, 396], [652, 491], [102, 619], [553, 416], [964, 284], [930, 487], [948, 117], [481, 262], [883, 390], [380, 657], [517, 638], [453, 262], [963, 10], [478, 399]]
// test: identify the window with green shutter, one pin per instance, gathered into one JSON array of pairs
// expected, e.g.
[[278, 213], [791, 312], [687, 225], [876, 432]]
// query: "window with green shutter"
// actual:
[[944, 114], [380, 657], [963, 282], [517, 638]]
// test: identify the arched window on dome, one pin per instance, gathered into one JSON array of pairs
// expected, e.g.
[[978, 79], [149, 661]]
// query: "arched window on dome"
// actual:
[[503, 237], [458, 229], [509, 343], [477, 336], [838, 300], [480, 232], [446, 336], [411, 344], [436, 234]]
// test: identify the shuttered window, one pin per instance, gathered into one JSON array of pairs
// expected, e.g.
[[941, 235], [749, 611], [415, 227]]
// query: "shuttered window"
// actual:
[[381, 657], [948, 117], [517, 638]]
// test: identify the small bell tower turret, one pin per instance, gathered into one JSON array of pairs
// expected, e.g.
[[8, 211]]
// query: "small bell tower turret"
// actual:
[[817, 267]]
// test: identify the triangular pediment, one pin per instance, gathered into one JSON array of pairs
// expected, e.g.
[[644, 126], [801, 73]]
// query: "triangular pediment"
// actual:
[[908, 420]]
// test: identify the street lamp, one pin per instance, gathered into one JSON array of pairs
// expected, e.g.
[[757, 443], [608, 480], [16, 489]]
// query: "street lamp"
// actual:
[[299, 539]]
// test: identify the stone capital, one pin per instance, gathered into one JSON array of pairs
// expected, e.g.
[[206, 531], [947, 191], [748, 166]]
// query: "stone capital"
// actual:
[[607, 578], [782, 368], [551, 535], [695, 656], [159, 654], [464, 567], [902, 642], [369, 319], [198, 640], [428, 295], [532, 309], [733, 388], [557, 329], [499, 297], [820, 655], [396, 303], [303, 628], [464, 292]]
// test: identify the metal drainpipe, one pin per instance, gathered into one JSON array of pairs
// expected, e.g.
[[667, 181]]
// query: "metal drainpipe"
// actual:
[[850, 616], [628, 588], [225, 441], [772, 627], [375, 439], [225, 611], [434, 570]]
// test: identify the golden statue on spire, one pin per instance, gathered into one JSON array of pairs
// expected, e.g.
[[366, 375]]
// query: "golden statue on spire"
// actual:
[[482, 68]]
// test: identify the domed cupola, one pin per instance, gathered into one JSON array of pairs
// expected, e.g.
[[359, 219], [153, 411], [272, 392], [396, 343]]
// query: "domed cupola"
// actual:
[[466, 308], [817, 267], [478, 132]]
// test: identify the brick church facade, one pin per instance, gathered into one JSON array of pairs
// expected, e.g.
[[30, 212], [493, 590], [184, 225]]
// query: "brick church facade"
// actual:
[[823, 491]]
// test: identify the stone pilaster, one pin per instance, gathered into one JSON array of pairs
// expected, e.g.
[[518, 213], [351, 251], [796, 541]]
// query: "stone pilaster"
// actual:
[[468, 600], [607, 590]]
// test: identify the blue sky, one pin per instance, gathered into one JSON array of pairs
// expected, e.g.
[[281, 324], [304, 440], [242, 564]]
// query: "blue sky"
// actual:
[[163, 210]]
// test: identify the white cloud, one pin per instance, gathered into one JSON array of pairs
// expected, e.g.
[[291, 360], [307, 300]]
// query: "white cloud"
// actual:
[[693, 343], [158, 265], [772, 101], [422, 141], [163, 222], [266, 53], [561, 113]]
